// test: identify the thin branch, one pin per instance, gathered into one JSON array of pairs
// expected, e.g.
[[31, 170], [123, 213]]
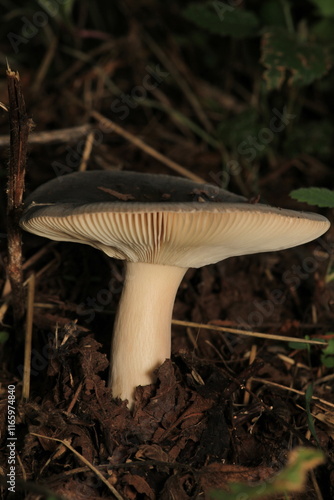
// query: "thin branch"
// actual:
[[107, 124], [20, 126]]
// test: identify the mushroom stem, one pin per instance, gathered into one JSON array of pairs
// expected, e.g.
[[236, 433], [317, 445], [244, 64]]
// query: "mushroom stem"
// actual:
[[142, 331]]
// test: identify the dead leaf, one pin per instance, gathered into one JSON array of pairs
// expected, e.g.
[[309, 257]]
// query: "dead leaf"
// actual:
[[151, 452], [176, 486], [140, 485], [119, 196], [219, 475]]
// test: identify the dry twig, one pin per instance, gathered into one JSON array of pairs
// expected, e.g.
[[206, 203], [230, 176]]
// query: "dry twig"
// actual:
[[109, 125], [20, 126]]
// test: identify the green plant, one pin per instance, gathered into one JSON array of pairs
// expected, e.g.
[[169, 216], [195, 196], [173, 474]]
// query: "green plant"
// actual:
[[322, 197], [220, 19], [291, 479], [4, 336], [289, 51], [310, 420], [327, 357]]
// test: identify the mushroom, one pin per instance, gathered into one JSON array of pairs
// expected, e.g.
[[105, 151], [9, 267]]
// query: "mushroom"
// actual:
[[160, 225]]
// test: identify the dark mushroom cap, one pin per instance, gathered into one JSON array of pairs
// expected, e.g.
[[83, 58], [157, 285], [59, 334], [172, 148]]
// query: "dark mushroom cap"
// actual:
[[162, 219]]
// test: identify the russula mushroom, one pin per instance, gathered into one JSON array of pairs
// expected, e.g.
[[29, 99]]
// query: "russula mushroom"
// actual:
[[160, 225]]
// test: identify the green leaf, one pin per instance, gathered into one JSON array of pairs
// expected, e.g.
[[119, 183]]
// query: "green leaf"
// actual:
[[323, 30], [308, 400], [4, 336], [67, 9], [297, 345], [327, 361], [272, 14], [321, 197], [222, 19], [327, 357], [54, 10], [329, 350], [239, 128], [284, 55], [291, 479], [301, 460], [325, 7]]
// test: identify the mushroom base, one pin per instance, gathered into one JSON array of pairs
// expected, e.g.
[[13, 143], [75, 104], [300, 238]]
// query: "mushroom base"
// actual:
[[142, 331]]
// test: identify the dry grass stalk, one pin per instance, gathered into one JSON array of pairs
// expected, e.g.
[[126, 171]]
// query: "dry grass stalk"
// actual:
[[28, 337], [281, 338], [85, 461]]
